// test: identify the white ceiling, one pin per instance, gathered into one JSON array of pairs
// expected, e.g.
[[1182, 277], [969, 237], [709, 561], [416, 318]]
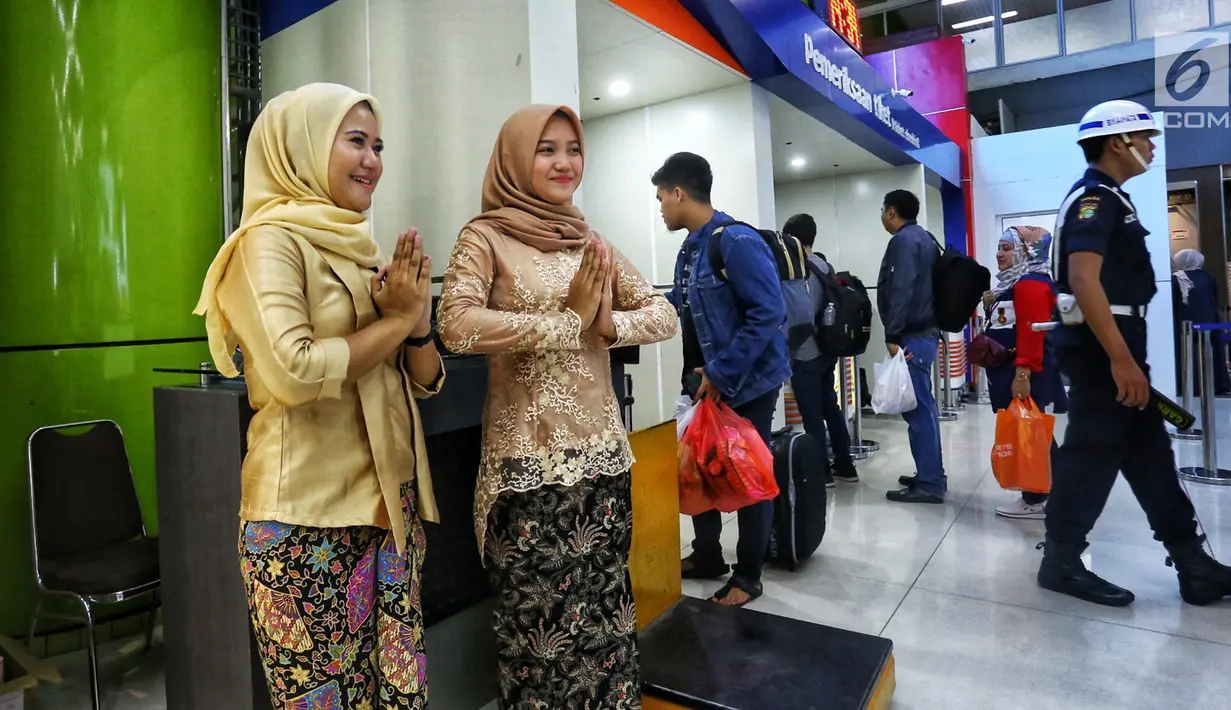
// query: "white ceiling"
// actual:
[[826, 151], [614, 45]]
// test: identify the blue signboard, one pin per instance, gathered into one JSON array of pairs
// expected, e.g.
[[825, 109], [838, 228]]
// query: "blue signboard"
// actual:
[[790, 51]]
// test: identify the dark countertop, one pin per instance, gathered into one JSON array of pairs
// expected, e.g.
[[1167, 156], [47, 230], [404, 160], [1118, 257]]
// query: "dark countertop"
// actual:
[[453, 576], [703, 655]]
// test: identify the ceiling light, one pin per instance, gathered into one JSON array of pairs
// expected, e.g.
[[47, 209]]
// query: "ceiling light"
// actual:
[[983, 20], [798, 162], [951, 2], [619, 87]]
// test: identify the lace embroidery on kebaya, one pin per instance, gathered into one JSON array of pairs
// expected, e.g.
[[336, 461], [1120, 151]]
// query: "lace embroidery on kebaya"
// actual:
[[551, 416]]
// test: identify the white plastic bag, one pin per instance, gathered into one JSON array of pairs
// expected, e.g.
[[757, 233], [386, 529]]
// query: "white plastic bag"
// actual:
[[894, 392], [684, 409]]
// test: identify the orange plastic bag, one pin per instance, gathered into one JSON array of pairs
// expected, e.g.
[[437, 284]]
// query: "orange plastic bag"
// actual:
[[1021, 458], [735, 466]]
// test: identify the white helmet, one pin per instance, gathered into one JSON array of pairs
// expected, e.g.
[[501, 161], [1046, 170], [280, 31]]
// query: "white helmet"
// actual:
[[1112, 118], [1118, 118]]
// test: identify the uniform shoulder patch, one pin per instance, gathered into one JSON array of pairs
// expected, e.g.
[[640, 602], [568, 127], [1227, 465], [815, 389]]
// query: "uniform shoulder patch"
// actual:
[[1087, 208]]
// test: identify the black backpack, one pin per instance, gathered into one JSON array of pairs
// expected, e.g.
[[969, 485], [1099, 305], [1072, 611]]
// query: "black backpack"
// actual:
[[958, 285], [791, 261], [851, 329]]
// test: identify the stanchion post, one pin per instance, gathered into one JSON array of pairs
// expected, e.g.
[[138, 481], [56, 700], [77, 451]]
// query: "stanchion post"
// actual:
[[844, 373], [860, 445], [1208, 472], [947, 384], [1186, 380], [945, 414], [980, 394]]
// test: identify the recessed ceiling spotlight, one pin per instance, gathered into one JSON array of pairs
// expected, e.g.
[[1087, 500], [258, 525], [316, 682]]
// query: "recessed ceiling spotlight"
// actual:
[[798, 162], [619, 87]]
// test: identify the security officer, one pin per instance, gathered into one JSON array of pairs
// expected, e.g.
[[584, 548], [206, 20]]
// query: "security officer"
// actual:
[[1100, 256]]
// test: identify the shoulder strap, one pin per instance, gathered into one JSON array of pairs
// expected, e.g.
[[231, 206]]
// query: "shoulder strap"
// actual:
[[715, 239], [1077, 193], [936, 241]]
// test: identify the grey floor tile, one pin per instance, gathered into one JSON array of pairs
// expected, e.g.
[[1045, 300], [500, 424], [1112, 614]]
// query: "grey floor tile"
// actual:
[[954, 653]]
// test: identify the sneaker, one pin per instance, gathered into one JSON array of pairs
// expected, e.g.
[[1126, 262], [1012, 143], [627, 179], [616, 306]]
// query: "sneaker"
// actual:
[[846, 474], [1021, 510]]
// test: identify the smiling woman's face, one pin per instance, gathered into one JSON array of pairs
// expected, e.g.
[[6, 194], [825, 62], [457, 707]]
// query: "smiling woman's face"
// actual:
[[354, 164], [558, 162]]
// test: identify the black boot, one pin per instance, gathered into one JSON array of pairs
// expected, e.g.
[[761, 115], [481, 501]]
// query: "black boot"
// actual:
[[1203, 580], [1062, 571]]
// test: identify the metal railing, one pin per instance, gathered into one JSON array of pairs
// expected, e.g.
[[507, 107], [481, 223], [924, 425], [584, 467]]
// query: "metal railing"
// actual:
[[1208, 471]]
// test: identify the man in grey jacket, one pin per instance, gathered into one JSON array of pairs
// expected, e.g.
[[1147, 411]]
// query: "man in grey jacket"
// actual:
[[904, 297], [812, 371]]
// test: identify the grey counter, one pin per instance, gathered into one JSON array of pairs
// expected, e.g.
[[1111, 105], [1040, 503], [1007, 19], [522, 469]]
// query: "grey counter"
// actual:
[[200, 435]]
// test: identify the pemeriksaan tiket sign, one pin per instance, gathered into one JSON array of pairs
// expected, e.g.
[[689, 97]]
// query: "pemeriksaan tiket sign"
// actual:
[[840, 77]]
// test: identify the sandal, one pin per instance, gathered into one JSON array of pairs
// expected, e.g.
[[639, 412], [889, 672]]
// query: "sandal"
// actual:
[[689, 569], [753, 590]]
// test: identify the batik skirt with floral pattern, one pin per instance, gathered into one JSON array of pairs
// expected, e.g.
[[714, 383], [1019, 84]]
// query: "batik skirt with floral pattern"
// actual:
[[566, 627], [337, 613]]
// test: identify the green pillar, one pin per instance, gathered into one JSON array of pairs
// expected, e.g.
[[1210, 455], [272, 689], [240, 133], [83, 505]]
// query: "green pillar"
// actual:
[[110, 211]]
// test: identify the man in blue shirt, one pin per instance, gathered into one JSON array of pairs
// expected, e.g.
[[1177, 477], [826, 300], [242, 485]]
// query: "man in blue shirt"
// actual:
[[734, 349], [904, 298]]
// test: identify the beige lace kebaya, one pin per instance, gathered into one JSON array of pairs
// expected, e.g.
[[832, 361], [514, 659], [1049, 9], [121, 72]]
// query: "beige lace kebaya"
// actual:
[[551, 415]]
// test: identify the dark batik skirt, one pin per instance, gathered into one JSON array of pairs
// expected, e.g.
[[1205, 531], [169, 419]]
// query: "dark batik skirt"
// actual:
[[566, 627]]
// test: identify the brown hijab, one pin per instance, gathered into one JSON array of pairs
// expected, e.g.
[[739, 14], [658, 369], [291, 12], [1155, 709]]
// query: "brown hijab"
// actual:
[[509, 202]]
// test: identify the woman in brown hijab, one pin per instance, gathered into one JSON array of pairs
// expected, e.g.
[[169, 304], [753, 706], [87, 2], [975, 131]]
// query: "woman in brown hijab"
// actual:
[[544, 296]]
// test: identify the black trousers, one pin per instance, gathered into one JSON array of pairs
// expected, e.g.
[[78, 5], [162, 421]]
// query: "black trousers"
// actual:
[[1104, 438], [813, 382], [754, 521]]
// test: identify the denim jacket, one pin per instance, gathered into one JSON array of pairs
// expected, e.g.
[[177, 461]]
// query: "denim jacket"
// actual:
[[738, 320]]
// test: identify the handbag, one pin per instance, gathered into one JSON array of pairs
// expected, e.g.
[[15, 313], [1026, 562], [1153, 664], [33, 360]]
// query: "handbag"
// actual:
[[987, 352]]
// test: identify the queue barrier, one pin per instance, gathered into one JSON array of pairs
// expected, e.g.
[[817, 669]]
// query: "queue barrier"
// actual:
[[1186, 381], [1208, 472]]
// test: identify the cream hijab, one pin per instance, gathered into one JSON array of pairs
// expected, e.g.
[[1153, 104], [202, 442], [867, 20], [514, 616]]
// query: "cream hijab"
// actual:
[[286, 184]]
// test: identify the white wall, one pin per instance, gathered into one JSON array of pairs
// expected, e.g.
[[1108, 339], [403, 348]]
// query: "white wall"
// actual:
[[444, 92], [932, 215], [729, 127], [848, 226], [1006, 185]]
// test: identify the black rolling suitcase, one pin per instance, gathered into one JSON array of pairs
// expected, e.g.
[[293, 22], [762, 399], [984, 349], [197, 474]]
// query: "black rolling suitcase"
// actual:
[[801, 467]]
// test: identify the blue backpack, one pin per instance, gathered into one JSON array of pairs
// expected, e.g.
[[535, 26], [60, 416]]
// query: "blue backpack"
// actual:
[[791, 260]]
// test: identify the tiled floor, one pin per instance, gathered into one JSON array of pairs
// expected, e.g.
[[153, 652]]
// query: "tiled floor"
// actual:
[[953, 586]]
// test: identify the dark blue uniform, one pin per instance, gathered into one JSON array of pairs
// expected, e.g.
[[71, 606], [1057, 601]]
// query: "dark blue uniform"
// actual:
[[1104, 437]]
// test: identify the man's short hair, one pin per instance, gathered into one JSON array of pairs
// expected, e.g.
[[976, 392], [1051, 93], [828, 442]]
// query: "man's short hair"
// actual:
[[802, 227], [1093, 148], [904, 203], [689, 172]]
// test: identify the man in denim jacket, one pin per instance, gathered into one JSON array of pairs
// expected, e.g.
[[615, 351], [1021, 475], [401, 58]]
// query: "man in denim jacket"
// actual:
[[904, 298], [734, 350]]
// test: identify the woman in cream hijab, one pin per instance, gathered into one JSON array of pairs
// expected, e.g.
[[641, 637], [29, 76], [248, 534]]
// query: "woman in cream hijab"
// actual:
[[335, 480], [545, 297]]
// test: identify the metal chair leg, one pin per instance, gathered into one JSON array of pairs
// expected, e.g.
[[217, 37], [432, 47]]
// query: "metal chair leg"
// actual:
[[38, 608], [92, 650], [149, 632]]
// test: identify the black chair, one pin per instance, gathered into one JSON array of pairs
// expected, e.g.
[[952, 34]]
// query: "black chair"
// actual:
[[89, 540]]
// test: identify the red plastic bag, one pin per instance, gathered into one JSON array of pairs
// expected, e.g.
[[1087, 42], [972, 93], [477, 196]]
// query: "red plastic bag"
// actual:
[[735, 466], [694, 499], [1021, 457]]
